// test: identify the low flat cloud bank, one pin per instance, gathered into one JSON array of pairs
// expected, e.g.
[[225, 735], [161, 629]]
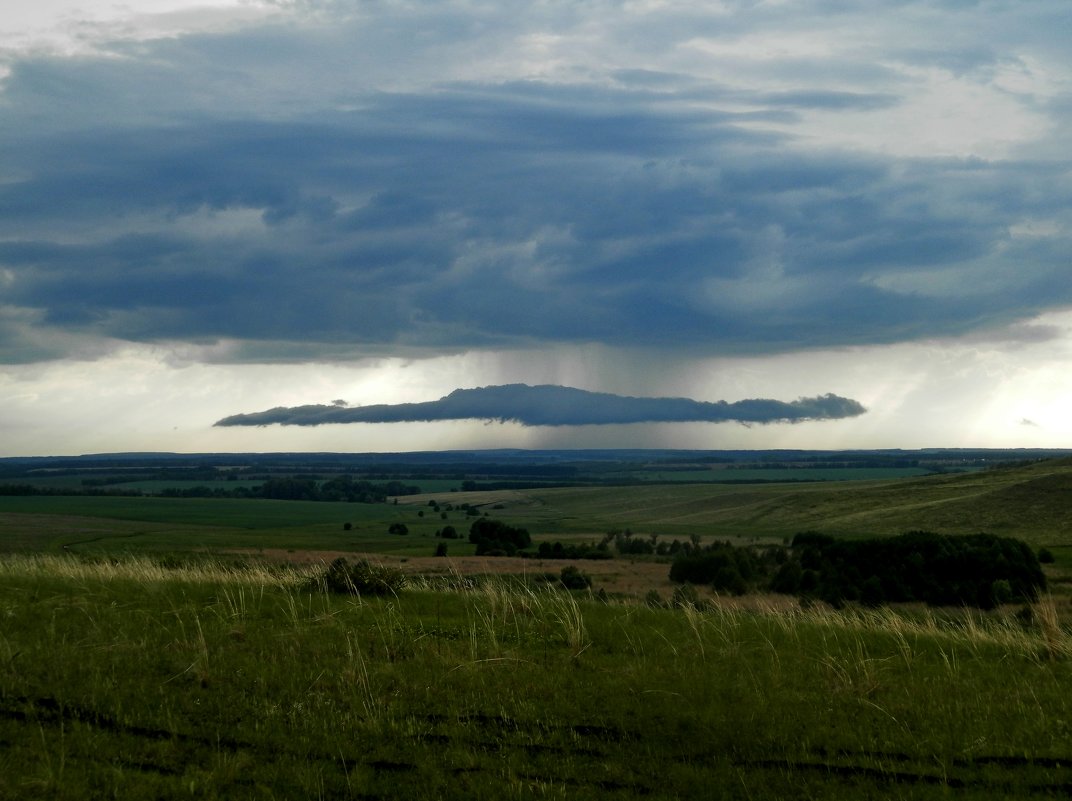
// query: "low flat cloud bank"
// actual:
[[550, 405]]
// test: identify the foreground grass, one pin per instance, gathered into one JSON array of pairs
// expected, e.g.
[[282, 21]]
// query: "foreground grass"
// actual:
[[128, 680]]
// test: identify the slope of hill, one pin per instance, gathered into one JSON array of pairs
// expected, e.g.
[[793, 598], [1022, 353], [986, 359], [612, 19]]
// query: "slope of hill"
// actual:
[[1032, 501]]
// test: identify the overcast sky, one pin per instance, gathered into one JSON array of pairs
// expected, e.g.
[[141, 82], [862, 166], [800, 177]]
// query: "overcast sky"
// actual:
[[218, 208]]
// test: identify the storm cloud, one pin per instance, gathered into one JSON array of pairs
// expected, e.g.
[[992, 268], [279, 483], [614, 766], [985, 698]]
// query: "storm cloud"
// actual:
[[445, 177], [549, 405]]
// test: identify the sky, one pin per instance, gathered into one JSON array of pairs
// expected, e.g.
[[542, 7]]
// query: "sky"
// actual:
[[217, 208]]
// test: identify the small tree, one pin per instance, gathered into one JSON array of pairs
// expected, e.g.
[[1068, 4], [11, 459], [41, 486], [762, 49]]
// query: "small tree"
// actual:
[[398, 528]]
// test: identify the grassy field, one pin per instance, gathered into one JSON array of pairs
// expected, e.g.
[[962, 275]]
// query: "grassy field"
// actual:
[[126, 680], [740, 474], [1031, 502], [158, 655]]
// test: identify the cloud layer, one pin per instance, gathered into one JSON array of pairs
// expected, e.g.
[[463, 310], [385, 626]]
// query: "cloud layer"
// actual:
[[742, 177], [549, 405]]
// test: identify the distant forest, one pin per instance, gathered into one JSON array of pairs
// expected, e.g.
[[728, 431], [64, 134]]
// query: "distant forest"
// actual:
[[372, 477]]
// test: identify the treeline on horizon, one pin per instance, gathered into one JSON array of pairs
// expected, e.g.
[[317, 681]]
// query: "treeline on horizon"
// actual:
[[339, 489]]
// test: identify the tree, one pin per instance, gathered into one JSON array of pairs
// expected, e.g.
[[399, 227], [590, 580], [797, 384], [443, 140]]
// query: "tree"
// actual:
[[494, 537]]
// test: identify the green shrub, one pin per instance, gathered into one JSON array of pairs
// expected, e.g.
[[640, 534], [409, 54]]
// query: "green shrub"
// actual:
[[573, 578], [362, 578], [686, 595]]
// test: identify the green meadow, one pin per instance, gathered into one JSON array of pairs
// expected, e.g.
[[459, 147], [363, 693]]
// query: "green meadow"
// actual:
[[170, 648], [123, 679]]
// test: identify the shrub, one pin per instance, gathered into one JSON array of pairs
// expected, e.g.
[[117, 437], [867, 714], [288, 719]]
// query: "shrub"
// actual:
[[362, 578], [1045, 556], [441, 549], [347, 526], [686, 595], [573, 578], [398, 528]]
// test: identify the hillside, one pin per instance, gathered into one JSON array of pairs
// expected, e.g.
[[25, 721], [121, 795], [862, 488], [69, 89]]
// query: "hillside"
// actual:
[[1032, 501]]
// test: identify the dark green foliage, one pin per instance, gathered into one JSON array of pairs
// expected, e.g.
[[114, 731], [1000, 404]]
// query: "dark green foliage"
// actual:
[[362, 578], [347, 526], [626, 543], [978, 570], [573, 578], [584, 550], [340, 488], [721, 565], [290, 489], [493, 537], [449, 533], [398, 528], [1045, 556], [441, 549]]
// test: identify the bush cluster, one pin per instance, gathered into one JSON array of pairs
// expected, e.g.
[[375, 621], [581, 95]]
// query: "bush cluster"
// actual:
[[727, 568], [362, 578], [979, 570], [583, 550], [495, 538], [573, 578]]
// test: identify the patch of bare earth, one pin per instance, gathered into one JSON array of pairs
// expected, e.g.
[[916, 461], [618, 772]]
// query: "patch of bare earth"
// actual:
[[617, 576], [613, 575]]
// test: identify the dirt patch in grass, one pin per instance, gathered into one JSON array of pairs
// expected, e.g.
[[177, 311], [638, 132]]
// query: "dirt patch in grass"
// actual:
[[620, 577]]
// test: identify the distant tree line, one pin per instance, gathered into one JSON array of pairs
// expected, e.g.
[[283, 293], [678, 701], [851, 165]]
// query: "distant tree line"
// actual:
[[340, 488], [290, 488], [979, 570], [27, 490]]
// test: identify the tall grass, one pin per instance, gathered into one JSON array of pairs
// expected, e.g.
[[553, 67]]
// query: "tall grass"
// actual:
[[130, 680]]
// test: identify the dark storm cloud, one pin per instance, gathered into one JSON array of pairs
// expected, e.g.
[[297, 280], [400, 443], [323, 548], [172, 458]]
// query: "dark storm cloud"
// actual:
[[335, 184], [549, 405]]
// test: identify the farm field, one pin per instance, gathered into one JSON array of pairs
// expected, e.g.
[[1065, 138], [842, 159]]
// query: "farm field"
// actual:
[[1030, 502]]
